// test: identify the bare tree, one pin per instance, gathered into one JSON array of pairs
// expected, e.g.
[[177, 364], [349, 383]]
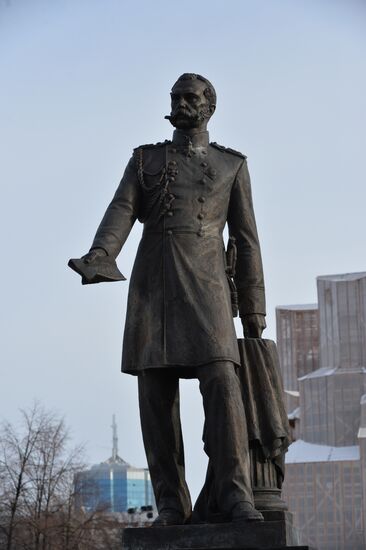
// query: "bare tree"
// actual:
[[37, 471], [38, 504], [51, 474], [16, 450]]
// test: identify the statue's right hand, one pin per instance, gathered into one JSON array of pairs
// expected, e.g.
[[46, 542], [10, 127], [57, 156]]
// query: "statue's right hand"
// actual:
[[93, 254]]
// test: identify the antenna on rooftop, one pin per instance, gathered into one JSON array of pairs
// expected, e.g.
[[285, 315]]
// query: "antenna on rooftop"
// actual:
[[115, 459], [114, 439]]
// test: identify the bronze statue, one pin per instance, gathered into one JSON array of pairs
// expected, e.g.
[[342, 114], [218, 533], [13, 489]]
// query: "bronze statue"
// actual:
[[183, 290]]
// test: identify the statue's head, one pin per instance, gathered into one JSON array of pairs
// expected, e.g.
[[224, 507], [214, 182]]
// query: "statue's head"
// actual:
[[193, 102]]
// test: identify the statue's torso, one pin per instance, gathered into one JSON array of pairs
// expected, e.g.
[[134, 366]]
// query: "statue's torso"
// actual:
[[194, 192], [179, 310]]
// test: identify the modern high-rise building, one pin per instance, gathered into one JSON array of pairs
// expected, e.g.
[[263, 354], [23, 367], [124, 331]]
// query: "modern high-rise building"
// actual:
[[114, 485], [325, 482]]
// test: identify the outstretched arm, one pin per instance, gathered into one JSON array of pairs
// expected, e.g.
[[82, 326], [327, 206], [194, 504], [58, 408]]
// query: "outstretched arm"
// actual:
[[119, 218]]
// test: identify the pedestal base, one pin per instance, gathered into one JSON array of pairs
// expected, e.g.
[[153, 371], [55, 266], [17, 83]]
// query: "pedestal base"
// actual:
[[275, 533]]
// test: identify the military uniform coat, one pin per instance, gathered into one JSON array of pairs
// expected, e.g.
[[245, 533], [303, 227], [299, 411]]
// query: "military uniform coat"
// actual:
[[179, 308]]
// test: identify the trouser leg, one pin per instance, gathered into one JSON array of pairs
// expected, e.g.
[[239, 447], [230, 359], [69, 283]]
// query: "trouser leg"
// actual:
[[225, 434], [162, 435]]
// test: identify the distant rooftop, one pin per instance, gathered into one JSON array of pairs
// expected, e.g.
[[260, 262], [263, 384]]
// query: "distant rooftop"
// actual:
[[108, 465], [293, 393], [299, 307], [323, 371], [343, 277], [302, 451], [295, 414], [117, 460], [328, 371]]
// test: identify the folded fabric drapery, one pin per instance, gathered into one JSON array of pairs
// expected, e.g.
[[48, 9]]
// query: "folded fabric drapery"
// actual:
[[261, 382], [265, 416]]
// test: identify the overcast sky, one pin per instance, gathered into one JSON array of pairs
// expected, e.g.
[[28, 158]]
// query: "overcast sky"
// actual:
[[83, 82]]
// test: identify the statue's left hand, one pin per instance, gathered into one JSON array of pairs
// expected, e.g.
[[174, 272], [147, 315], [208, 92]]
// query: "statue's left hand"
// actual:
[[253, 325], [93, 255]]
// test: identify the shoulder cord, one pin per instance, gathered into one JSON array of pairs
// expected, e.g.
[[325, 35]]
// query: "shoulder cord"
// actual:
[[140, 173]]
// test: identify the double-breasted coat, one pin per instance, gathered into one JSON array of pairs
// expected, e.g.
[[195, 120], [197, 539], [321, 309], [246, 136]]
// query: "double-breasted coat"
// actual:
[[179, 311]]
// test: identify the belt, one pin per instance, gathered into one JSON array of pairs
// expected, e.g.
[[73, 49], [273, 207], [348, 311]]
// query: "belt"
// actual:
[[177, 231]]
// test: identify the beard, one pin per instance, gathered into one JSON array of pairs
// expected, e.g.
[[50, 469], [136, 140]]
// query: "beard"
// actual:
[[184, 118]]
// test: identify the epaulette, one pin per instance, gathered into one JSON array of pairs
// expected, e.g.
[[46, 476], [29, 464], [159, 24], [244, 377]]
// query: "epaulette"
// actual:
[[152, 145], [227, 150]]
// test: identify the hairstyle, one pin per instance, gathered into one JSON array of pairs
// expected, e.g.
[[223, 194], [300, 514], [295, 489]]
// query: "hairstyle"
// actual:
[[209, 92]]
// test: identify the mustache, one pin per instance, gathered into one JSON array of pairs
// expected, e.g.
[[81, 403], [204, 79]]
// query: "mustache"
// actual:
[[174, 115], [181, 111]]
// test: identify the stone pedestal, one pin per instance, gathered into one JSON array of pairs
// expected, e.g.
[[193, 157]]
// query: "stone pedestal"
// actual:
[[275, 533]]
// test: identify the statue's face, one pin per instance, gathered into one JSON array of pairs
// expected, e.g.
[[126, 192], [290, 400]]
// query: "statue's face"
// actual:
[[189, 106]]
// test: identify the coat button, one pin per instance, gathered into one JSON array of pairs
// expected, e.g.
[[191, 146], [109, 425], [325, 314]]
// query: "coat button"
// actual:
[[201, 199], [169, 232], [170, 214], [203, 181], [200, 216], [204, 164]]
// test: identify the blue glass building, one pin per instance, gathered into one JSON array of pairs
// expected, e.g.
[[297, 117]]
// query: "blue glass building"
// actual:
[[113, 485]]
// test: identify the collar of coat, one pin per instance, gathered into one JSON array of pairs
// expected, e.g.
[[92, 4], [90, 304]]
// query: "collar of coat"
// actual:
[[200, 139]]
